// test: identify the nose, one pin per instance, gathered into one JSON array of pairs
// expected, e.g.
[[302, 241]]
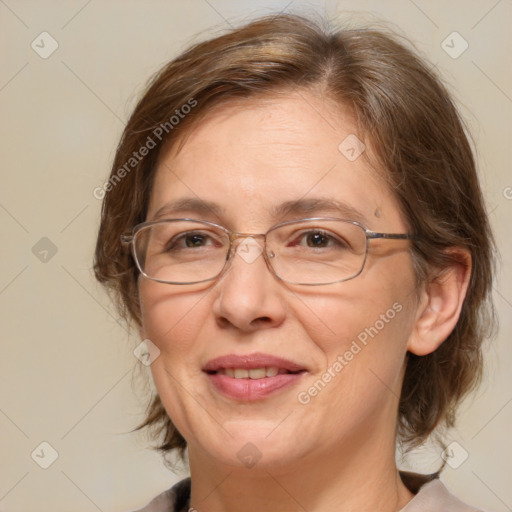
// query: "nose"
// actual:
[[249, 296]]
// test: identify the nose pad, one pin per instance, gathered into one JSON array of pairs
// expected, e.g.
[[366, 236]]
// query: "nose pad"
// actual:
[[249, 249]]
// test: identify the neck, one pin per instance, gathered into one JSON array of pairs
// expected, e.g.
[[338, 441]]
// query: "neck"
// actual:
[[345, 480]]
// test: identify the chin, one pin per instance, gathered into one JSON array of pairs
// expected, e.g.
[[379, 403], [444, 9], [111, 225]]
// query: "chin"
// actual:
[[250, 446]]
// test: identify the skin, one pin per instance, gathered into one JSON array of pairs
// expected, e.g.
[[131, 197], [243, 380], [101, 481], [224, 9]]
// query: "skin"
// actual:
[[338, 451]]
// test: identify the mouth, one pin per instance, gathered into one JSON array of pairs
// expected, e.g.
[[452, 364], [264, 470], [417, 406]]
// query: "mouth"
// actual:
[[252, 366], [253, 376], [253, 373]]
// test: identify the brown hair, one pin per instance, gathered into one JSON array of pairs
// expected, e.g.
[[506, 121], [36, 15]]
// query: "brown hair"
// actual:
[[404, 114]]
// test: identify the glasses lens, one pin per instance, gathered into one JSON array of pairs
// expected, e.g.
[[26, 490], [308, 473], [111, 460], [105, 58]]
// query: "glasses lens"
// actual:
[[320, 251], [181, 251], [317, 251]]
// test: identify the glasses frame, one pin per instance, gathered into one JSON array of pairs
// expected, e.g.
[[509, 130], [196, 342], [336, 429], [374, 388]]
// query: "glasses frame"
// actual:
[[128, 239]]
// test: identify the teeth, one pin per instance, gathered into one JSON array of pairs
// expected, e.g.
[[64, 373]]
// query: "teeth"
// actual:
[[253, 373], [272, 371], [257, 373]]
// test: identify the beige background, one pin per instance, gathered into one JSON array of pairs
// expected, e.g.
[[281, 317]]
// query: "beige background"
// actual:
[[66, 367]]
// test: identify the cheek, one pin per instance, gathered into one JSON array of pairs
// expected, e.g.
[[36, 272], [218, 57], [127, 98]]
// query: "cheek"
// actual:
[[362, 327], [364, 359], [353, 310], [172, 320], [171, 314]]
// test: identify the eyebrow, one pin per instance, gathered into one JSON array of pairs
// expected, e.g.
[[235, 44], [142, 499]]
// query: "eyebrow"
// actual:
[[302, 206]]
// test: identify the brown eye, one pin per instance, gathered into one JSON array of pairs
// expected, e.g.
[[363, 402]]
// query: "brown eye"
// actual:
[[318, 239], [191, 240]]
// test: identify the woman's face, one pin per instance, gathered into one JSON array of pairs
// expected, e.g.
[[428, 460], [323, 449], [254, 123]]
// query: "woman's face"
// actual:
[[349, 339]]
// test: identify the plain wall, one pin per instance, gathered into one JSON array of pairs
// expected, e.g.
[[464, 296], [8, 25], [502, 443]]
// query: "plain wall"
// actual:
[[66, 368]]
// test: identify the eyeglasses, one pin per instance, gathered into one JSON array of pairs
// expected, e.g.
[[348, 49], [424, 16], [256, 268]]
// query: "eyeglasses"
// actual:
[[314, 251]]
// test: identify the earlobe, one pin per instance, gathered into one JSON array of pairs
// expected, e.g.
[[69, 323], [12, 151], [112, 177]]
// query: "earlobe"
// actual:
[[440, 304]]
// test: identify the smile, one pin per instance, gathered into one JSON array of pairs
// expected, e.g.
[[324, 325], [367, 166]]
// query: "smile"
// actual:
[[253, 373]]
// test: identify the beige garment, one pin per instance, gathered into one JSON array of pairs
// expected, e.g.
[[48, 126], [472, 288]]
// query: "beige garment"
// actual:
[[430, 496], [434, 496]]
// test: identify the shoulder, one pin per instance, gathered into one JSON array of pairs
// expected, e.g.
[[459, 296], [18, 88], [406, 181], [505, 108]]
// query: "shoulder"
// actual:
[[431, 494], [175, 499]]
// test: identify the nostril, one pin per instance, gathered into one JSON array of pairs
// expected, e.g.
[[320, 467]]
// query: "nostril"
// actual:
[[261, 320]]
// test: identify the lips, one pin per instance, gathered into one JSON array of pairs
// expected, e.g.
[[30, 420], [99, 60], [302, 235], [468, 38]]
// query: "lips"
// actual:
[[253, 376]]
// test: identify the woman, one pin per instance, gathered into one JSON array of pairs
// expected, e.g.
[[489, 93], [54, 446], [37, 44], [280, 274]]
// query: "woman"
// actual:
[[294, 224]]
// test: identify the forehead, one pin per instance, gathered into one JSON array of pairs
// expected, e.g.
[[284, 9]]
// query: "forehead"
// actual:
[[250, 156]]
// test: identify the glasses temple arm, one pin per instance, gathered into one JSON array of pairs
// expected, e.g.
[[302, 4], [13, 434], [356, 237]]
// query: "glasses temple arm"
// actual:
[[391, 236]]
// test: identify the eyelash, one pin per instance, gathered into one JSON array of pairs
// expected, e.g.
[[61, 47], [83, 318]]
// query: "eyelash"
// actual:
[[295, 236]]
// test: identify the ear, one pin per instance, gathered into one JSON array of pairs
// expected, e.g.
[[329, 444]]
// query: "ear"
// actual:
[[440, 304]]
